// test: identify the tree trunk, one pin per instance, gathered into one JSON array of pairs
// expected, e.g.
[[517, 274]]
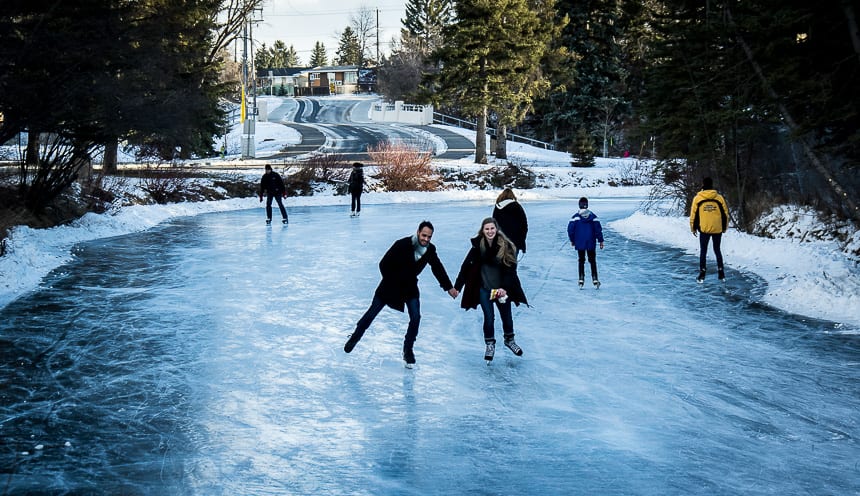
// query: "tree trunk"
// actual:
[[110, 157], [31, 157], [481, 138], [502, 141], [853, 30]]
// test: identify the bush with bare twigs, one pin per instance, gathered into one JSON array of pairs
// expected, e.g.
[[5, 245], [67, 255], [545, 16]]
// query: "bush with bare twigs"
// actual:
[[404, 167], [164, 185]]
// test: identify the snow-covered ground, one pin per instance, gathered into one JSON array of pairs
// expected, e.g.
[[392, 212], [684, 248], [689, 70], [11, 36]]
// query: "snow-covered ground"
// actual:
[[813, 279]]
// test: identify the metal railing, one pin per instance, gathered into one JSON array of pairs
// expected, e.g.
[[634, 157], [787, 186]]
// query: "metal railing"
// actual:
[[466, 124]]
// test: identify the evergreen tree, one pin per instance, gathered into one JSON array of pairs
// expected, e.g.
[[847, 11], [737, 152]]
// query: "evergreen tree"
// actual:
[[349, 50], [291, 58], [318, 55], [490, 60], [424, 22], [592, 91], [737, 89]]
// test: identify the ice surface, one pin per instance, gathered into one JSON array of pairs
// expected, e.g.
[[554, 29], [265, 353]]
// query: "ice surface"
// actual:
[[204, 356]]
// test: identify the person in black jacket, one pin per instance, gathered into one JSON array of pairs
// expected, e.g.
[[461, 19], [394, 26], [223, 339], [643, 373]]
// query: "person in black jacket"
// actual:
[[489, 273], [511, 218], [356, 186], [400, 267], [273, 185]]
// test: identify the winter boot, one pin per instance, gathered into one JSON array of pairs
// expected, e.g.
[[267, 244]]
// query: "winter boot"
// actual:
[[268, 221], [581, 283], [490, 351], [596, 284], [512, 345], [721, 274], [352, 214], [701, 278], [408, 357], [353, 340]]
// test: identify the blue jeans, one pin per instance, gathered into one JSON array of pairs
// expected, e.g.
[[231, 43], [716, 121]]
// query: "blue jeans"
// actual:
[[703, 249], [489, 316], [413, 306]]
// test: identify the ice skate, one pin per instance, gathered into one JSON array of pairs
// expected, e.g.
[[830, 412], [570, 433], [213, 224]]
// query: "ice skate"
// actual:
[[353, 340], [489, 352], [514, 347], [409, 358]]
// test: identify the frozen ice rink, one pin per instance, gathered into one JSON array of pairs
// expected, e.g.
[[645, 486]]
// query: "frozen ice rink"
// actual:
[[205, 357]]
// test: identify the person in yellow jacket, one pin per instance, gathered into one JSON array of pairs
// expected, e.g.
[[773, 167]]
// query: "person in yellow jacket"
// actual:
[[709, 215]]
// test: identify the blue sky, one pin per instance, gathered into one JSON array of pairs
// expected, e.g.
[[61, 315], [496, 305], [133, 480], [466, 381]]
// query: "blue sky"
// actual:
[[302, 23]]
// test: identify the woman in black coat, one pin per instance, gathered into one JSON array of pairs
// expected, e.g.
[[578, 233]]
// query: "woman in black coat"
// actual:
[[512, 218], [489, 273], [356, 186]]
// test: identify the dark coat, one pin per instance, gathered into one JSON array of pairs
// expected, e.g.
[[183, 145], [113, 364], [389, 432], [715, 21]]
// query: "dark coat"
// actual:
[[470, 276], [272, 184], [400, 273], [512, 220], [356, 181]]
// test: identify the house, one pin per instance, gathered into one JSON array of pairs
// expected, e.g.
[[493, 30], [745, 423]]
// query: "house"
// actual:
[[280, 81], [316, 81]]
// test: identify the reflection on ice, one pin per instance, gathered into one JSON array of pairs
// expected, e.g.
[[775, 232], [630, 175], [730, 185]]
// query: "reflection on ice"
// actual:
[[205, 357]]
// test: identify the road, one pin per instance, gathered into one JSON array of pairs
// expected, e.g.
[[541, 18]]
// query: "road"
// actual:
[[204, 356], [342, 127]]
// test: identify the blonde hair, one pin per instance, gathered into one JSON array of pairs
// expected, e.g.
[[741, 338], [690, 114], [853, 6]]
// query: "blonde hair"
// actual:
[[506, 253], [506, 194]]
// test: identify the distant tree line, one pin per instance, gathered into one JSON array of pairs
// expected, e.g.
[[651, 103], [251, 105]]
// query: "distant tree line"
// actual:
[[763, 96]]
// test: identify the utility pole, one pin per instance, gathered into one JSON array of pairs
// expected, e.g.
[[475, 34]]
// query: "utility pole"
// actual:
[[249, 70], [248, 124], [377, 37]]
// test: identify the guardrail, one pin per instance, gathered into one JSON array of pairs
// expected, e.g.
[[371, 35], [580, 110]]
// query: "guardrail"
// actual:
[[450, 120]]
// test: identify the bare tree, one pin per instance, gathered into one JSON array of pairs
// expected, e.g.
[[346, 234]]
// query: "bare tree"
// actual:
[[229, 21], [364, 25]]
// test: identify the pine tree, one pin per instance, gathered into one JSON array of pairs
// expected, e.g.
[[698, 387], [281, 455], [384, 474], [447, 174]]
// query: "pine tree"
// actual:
[[349, 50], [594, 91], [424, 22], [491, 60], [318, 55], [291, 58]]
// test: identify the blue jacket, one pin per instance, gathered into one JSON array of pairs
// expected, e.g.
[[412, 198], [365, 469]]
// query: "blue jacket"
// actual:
[[584, 230]]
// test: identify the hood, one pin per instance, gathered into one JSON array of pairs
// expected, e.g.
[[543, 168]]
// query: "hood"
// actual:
[[504, 203], [707, 194], [586, 214]]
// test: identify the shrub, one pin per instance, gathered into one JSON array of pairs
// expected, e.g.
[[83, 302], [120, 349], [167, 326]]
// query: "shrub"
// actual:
[[404, 167], [583, 149], [164, 185]]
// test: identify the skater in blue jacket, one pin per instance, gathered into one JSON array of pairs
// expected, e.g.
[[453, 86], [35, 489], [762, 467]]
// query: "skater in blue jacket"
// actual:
[[585, 232]]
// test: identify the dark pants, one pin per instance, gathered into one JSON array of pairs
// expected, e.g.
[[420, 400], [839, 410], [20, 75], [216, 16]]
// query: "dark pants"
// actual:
[[412, 306], [592, 261], [356, 202], [490, 318], [269, 197], [703, 249]]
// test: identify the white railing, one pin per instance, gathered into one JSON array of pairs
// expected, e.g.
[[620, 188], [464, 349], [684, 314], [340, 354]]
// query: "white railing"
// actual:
[[406, 113]]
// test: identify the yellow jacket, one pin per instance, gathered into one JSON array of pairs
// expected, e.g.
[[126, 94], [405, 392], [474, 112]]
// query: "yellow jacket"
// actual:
[[709, 213]]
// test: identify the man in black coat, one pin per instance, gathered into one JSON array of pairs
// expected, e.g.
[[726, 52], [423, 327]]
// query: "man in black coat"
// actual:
[[272, 184], [400, 267]]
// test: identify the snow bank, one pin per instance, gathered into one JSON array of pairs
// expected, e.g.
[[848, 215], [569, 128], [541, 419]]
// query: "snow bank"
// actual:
[[812, 279]]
